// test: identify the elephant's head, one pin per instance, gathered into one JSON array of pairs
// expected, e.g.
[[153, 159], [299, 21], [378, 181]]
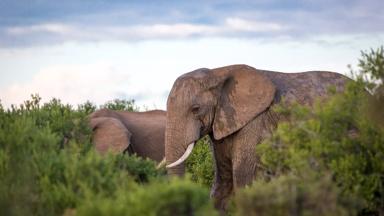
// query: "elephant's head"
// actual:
[[218, 102], [109, 133]]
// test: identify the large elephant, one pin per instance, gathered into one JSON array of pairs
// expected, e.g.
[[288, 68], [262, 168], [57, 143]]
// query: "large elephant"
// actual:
[[232, 105], [136, 132]]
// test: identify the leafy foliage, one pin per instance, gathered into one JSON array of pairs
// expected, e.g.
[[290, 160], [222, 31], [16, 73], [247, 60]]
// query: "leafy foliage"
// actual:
[[121, 104], [372, 73], [48, 167], [290, 195], [177, 197], [371, 66], [200, 163]]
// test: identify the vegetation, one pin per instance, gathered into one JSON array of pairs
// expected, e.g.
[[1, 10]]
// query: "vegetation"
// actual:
[[327, 160], [48, 167], [118, 104], [291, 195], [200, 163]]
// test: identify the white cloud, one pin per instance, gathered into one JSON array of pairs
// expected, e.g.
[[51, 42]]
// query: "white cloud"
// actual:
[[56, 28], [230, 27], [234, 19], [75, 84], [237, 24], [146, 70], [178, 30]]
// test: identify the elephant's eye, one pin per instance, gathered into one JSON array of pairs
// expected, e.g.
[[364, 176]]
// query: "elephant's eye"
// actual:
[[195, 109]]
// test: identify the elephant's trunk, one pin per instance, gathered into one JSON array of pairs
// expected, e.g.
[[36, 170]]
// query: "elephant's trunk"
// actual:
[[175, 149], [180, 135]]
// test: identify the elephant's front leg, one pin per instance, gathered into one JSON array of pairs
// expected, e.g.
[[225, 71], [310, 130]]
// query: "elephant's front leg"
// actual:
[[223, 184], [245, 162]]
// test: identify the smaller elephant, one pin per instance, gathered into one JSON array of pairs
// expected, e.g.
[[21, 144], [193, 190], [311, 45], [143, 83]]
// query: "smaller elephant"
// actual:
[[135, 132]]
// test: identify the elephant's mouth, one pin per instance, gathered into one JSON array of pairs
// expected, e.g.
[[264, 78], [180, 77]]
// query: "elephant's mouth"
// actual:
[[187, 152]]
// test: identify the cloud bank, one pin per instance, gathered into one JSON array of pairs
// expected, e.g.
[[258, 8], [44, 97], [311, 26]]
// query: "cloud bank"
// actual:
[[98, 50], [76, 84], [27, 23]]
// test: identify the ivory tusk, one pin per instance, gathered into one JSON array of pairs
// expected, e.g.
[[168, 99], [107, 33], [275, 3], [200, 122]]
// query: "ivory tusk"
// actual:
[[183, 157], [161, 164]]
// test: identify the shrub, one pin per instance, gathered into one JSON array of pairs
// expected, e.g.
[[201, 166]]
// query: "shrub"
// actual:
[[20, 143], [47, 164], [177, 197], [72, 179], [142, 170], [118, 104], [63, 120], [200, 163], [290, 195], [48, 167]]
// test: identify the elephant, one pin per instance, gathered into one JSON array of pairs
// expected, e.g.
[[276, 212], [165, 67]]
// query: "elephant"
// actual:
[[233, 105], [135, 132]]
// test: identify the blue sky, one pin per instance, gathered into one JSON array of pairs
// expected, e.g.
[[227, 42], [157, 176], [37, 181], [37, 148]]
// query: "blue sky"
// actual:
[[99, 50]]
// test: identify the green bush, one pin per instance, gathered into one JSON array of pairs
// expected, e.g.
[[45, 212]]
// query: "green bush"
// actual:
[[78, 179], [142, 170], [340, 137], [48, 167], [290, 195], [44, 168], [200, 163], [118, 104], [20, 143], [177, 197]]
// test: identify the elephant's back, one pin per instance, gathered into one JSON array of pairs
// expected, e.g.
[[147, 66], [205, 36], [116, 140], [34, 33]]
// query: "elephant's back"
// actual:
[[148, 129], [152, 117], [306, 87], [104, 113]]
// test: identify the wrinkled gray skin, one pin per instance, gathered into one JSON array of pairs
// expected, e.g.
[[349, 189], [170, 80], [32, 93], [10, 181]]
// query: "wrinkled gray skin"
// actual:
[[233, 106], [136, 132]]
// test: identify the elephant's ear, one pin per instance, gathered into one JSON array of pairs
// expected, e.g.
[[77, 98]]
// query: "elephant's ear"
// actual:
[[244, 93], [109, 134]]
